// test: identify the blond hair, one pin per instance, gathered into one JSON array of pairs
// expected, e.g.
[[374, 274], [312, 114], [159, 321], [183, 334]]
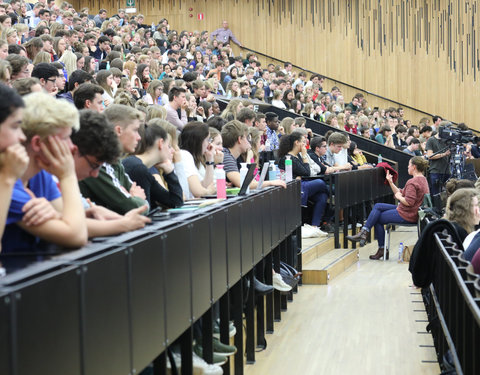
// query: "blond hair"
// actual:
[[460, 208], [70, 61], [122, 115], [169, 128], [43, 114], [42, 57], [156, 111]]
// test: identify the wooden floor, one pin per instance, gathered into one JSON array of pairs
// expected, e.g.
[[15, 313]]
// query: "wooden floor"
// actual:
[[369, 320]]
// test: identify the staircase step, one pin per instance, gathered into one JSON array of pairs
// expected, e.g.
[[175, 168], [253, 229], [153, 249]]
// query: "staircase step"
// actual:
[[328, 266], [314, 248]]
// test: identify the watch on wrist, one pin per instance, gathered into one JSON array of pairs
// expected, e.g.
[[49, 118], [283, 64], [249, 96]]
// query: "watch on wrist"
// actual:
[[209, 163]]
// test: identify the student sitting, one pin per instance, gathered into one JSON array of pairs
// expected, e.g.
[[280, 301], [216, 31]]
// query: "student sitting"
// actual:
[[336, 142], [96, 143], [356, 154], [293, 146], [198, 156], [59, 217], [155, 150], [384, 136], [113, 188], [236, 142], [413, 147], [13, 156]]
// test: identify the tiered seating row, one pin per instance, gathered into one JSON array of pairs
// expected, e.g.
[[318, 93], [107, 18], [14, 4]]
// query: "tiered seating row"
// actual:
[[114, 306]]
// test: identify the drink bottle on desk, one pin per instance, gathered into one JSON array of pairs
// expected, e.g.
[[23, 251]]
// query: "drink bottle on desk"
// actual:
[[221, 182], [288, 169], [267, 145], [243, 174], [272, 171]]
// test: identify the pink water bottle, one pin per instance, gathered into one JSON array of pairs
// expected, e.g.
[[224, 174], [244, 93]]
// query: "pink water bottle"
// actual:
[[221, 183]]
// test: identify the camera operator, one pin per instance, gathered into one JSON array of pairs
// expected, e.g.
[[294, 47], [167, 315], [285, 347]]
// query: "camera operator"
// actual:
[[475, 150], [438, 169]]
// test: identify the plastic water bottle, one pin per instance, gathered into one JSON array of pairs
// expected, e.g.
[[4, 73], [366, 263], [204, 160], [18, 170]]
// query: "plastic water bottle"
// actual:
[[379, 158], [272, 172], [288, 169], [153, 27], [243, 174], [267, 145], [221, 183], [108, 65], [400, 251]]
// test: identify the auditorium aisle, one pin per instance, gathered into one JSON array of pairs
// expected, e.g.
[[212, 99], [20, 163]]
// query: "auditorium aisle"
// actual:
[[366, 321]]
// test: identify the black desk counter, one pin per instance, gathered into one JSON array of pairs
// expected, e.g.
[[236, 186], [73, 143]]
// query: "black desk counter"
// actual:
[[113, 306]]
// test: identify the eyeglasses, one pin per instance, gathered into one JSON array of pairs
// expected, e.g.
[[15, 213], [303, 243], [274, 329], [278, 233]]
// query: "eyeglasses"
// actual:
[[93, 166], [52, 80]]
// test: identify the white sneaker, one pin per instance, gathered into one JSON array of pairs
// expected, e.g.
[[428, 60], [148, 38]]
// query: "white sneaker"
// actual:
[[207, 369], [279, 284], [319, 232], [200, 367], [308, 231]]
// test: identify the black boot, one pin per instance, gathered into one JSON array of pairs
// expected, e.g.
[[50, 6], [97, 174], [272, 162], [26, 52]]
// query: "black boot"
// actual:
[[359, 237], [379, 254]]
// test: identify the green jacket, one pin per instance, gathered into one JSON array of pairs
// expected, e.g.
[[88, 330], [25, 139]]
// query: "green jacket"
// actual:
[[111, 189]]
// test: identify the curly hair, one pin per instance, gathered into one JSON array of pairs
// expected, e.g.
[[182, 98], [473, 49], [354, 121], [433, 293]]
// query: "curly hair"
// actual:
[[460, 208], [420, 163], [453, 185], [96, 137], [287, 142]]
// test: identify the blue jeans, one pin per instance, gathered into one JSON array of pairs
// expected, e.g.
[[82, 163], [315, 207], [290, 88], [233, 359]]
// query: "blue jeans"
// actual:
[[382, 214], [316, 191]]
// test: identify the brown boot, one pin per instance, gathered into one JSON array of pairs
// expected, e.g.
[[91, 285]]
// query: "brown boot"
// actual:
[[359, 237], [379, 254]]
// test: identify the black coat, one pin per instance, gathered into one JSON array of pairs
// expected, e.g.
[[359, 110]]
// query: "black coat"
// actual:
[[422, 263]]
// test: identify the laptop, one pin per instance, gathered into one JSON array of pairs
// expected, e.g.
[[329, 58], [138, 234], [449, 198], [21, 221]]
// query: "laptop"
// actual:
[[263, 175], [248, 179], [246, 183]]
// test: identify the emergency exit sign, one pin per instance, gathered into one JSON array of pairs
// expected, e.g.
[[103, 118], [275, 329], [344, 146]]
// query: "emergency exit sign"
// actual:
[[130, 3]]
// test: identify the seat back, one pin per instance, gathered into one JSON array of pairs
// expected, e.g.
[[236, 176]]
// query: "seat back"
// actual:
[[427, 201], [471, 275]]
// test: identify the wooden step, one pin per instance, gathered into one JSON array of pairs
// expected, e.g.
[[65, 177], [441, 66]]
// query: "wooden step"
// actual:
[[328, 266], [314, 248]]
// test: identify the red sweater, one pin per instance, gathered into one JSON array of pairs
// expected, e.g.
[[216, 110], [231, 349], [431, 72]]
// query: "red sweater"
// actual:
[[413, 192]]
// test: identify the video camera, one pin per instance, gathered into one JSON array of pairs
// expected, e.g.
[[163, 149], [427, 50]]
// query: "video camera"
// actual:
[[455, 135]]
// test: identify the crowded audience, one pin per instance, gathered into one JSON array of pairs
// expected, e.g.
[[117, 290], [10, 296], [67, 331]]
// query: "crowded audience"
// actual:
[[104, 119]]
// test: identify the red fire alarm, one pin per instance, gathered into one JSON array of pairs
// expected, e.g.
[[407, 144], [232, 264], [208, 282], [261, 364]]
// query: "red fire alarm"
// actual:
[[190, 9], [190, 15]]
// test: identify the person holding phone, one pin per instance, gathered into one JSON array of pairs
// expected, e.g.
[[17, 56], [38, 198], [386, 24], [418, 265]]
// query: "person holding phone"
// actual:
[[410, 198]]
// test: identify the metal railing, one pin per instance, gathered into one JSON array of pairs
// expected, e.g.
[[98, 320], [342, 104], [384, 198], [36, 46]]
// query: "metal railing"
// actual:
[[453, 310]]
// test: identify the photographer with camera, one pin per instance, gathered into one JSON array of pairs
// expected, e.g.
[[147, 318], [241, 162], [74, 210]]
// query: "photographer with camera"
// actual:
[[439, 168], [447, 152]]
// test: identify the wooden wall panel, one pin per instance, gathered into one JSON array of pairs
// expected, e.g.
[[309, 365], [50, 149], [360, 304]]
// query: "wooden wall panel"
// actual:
[[424, 53]]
